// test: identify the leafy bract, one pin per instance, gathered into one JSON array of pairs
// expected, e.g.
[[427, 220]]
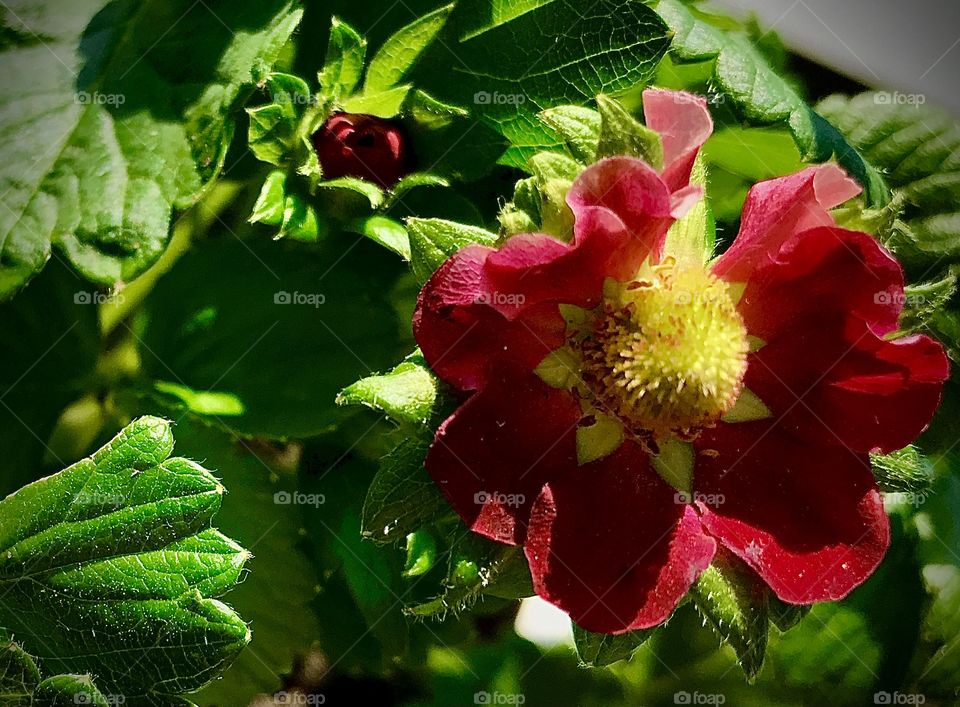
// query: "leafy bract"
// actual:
[[110, 567], [122, 112]]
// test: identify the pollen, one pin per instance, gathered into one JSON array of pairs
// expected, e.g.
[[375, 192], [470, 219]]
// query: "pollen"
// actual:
[[668, 352]]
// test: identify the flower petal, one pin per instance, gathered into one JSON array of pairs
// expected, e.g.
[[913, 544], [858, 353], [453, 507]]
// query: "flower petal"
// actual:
[[464, 324], [808, 519], [823, 307], [684, 123], [609, 543], [630, 190], [777, 209], [494, 454]]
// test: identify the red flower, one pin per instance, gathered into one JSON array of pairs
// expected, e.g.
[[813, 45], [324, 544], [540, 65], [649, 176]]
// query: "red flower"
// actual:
[[756, 384], [362, 146]]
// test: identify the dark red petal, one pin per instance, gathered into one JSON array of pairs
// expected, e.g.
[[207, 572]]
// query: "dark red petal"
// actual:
[[827, 272], [494, 454], [778, 209], [684, 123], [807, 518], [630, 190], [461, 323], [610, 544], [823, 307]]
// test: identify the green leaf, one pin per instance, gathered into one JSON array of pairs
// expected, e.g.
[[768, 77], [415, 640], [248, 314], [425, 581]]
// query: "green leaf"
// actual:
[[117, 551], [300, 221], [346, 52], [785, 616], [383, 104], [434, 240], [65, 690], [400, 52], [622, 134], [19, 675], [383, 230], [269, 208], [283, 327], [113, 133], [272, 133], [402, 497], [905, 470], [511, 63], [925, 300], [733, 600], [693, 238], [597, 650], [743, 76], [578, 127], [409, 394], [918, 147], [368, 190], [412, 181]]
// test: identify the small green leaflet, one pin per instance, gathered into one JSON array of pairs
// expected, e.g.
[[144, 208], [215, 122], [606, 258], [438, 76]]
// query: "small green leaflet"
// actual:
[[434, 240], [112, 562], [399, 53], [597, 650], [409, 394]]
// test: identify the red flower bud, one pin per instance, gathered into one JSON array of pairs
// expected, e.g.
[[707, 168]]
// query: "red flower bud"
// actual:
[[362, 146]]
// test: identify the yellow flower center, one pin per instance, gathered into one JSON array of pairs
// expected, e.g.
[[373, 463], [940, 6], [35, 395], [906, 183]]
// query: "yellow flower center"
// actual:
[[667, 353]]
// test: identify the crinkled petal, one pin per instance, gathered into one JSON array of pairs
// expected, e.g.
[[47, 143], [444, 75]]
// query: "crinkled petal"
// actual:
[[629, 190], [610, 544], [777, 209], [684, 123], [823, 308], [464, 323], [807, 518], [492, 457]]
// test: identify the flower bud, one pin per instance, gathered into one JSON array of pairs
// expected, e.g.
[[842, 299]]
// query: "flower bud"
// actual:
[[363, 146]]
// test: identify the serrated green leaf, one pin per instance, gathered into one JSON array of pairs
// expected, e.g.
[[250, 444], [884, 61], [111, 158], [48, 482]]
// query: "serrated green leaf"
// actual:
[[409, 394], [924, 301], [117, 550], [19, 675], [269, 208], [918, 147], [434, 240], [785, 616], [511, 64], [578, 127], [383, 104], [734, 602], [743, 76], [112, 134], [402, 497], [394, 60], [346, 52], [70, 690], [622, 134], [597, 650]]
